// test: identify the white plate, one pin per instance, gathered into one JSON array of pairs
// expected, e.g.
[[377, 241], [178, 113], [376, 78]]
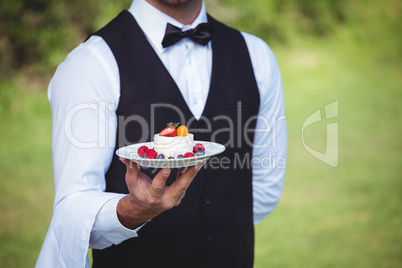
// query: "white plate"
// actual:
[[130, 152]]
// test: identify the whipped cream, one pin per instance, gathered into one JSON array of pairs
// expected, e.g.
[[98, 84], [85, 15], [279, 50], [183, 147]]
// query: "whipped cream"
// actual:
[[173, 146]]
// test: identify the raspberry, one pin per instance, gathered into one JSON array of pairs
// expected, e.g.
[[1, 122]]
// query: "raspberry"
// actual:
[[198, 147], [187, 155], [142, 150], [151, 154]]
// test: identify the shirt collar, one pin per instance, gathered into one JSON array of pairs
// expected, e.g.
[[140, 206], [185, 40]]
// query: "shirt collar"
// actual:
[[153, 22]]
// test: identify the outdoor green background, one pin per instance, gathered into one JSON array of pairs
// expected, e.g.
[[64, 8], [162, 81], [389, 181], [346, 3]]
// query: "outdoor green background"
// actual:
[[345, 51]]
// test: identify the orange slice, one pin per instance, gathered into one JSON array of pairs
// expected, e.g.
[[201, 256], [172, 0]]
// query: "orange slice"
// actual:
[[182, 131]]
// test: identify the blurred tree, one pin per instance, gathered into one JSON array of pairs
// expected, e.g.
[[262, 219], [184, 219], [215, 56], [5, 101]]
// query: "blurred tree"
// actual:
[[32, 31], [278, 20], [35, 35]]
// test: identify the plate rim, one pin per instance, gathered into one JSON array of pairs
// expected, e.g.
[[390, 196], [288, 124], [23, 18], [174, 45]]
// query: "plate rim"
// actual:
[[169, 163]]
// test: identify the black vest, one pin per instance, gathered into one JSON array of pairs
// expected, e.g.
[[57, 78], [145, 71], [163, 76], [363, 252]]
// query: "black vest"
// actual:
[[213, 225]]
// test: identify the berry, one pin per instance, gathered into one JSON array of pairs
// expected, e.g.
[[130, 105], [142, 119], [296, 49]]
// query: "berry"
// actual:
[[170, 130], [180, 156], [171, 157], [142, 150], [161, 156], [182, 131], [198, 147], [187, 155], [151, 154], [200, 153]]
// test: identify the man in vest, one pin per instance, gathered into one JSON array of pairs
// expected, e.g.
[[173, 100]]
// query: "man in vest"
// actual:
[[164, 61]]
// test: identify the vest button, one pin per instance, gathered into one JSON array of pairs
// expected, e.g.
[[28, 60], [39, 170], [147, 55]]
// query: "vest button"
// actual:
[[207, 201], [210, 237]]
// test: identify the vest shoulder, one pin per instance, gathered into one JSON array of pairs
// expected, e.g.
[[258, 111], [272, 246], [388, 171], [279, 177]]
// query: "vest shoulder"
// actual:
[[222, 26], [117, 25]]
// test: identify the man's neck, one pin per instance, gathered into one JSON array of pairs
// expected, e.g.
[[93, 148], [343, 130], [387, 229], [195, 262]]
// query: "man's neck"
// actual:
[[184, 14]]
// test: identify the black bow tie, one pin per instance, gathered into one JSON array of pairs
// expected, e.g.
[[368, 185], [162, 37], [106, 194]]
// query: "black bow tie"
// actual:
[[200, 34]]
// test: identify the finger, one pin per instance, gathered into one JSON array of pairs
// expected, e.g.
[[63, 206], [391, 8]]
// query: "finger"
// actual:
[[125, 161], [132, 167], [133, 173], [178, 200], [180, 172], [159, 182], [183, 181]]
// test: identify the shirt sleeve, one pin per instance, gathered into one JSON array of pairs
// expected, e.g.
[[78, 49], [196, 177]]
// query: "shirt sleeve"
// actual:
[[270, 140], [83, 100]]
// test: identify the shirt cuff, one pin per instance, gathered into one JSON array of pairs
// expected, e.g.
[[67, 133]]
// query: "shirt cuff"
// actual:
[[108, 225]]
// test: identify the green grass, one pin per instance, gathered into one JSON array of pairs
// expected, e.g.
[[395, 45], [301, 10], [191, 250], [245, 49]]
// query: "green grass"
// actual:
[[26, 188], [348, 216]]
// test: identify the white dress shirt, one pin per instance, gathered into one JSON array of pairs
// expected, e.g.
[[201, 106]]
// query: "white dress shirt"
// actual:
[[84, 95]]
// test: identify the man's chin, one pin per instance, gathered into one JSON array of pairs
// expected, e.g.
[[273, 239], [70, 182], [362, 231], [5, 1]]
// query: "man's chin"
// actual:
[[176, 3]]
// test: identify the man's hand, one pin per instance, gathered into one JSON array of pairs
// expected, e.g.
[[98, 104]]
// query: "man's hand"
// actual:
[[149, 198]]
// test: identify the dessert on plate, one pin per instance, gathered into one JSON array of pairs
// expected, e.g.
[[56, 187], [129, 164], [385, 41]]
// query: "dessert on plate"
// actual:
[[173, 142]]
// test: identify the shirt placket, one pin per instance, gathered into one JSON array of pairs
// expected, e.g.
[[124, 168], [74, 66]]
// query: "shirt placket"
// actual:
[[193, 79]]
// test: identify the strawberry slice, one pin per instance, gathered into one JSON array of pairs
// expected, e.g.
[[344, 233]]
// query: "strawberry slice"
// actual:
[[170, 130]]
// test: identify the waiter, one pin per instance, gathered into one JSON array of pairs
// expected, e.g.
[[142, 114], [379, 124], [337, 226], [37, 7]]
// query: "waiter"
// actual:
[[163, 61]]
